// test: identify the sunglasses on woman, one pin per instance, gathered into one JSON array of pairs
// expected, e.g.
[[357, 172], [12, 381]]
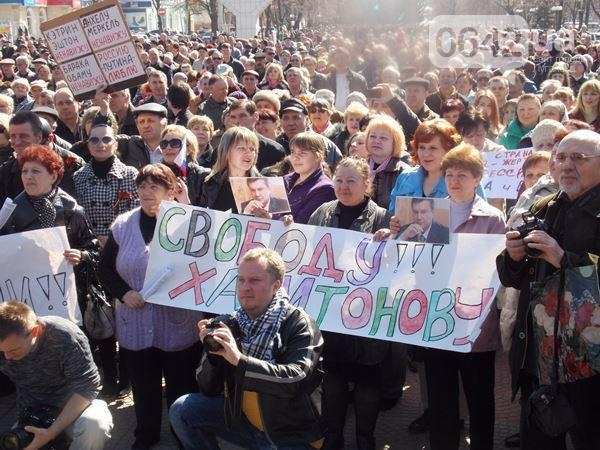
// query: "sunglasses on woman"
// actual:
[[173, 143], [104, 139]]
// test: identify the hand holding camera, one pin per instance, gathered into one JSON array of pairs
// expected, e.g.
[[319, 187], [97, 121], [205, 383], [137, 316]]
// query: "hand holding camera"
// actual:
[[217, 336], [532, 239]]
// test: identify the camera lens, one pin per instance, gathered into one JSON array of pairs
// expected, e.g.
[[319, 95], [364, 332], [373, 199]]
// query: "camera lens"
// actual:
[[9, 441]]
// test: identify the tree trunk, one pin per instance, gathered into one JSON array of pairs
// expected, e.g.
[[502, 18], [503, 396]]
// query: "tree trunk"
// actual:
[[214, 17]]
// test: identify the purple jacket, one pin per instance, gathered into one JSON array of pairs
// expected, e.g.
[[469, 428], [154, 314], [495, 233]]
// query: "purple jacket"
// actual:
[[306, 197]]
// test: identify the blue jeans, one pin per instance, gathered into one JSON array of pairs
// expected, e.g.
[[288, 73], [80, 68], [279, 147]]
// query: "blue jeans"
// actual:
[[198, 420]]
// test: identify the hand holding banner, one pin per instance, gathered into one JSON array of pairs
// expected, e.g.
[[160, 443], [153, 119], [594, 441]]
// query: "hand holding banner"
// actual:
[[432, 295]]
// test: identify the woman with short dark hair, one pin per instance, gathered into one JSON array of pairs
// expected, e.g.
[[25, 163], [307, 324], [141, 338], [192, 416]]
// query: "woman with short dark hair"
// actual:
[[157, 341]]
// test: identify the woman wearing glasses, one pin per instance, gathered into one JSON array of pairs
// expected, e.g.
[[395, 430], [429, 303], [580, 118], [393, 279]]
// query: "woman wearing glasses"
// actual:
[[105, 187], [176, 139]]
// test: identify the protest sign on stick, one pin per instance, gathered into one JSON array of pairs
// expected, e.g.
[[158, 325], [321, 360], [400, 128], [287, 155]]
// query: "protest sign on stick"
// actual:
[[503, 172], [94, 48], [432, 295], [35, 271]]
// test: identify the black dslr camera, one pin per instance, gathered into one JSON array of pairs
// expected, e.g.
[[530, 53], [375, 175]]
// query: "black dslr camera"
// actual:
[[18, 438], [531, 223], [217, 322]]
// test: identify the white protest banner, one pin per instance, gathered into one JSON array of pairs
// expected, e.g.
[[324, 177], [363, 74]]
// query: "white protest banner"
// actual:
[[431, 295], [503, 175], [94, 48], [35, 272]]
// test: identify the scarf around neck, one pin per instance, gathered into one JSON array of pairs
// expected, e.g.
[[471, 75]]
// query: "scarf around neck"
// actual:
[[380, 168], [44, 207], [260, 334]]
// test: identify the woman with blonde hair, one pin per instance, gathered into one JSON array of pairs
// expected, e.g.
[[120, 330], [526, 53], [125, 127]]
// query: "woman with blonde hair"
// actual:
[[297, 81], [273, 78], [236, 157], [204, 130], [485, 101], [587, 105], [173, 140], [386, 147], [341, 133]]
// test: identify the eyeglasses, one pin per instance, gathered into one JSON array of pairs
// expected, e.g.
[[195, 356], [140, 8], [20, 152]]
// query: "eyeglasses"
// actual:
[[173, 143], [217, 59], [314, 109], [576, 158], [104, 139]]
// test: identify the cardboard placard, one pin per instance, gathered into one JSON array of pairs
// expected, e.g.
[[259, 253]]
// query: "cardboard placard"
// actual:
[[94, 47]]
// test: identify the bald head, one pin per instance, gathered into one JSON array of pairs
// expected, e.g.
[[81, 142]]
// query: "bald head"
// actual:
[[577, 161]]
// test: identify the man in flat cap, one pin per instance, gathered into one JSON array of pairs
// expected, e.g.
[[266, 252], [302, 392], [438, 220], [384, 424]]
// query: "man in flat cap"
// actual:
[[151, 120], [250, 80], [416, 93], [7, 66], [294, 120]]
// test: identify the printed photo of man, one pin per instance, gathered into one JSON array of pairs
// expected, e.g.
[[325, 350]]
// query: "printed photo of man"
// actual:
[[261, 198], [423, 227]]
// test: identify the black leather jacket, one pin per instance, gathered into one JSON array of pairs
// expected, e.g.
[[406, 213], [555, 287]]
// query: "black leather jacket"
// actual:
[[210, 186], [68, 214], [289, 414], [10, 174]]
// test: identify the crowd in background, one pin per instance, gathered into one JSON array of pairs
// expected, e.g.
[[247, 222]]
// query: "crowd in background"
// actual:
[[351, 120]]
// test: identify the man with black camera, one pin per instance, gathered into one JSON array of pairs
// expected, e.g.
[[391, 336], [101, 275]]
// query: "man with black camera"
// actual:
[[564, 233], [50, 362], [259, 371]]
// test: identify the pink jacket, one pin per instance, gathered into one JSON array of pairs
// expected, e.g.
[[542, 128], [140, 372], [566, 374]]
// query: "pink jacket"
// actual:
[[484, 219]]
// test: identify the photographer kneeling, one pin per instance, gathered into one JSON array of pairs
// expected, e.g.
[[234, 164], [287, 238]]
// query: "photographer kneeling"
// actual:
[[257, 394], [50, 362], [563, 234]]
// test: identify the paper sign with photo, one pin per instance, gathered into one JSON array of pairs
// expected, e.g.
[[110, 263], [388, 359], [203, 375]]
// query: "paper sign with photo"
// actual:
[[423, 219], [252, 193]]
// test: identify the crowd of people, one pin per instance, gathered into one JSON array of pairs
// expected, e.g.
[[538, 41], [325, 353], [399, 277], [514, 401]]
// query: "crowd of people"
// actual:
[[352, 121]]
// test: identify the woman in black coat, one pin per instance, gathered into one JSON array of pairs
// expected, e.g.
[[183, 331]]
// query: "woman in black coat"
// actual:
[[44, 205], [352, 359], [236, 157]]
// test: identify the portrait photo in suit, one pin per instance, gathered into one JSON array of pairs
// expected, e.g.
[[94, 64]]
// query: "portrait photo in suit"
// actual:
[[423, 219], [266, 193]]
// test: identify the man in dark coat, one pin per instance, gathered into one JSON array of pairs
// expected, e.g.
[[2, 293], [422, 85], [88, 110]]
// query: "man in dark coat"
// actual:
[[342, 80], [572, 239]]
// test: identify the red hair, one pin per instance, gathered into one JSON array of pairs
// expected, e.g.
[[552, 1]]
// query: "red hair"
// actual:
[[427, 131], [43, 155]]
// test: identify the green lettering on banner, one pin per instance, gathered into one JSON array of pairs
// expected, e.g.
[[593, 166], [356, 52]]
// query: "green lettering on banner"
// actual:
[[328, 293], [163, 236], [220, 254], [441, 314], [382, 311]]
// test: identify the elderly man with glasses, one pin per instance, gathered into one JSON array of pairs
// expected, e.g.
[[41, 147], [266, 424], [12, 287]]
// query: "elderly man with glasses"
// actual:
[[571, 239]]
